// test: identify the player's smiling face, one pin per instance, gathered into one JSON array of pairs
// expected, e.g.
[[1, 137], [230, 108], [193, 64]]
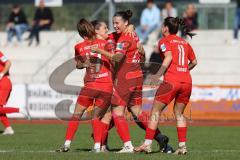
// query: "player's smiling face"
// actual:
[[119, 24], [103, 31]]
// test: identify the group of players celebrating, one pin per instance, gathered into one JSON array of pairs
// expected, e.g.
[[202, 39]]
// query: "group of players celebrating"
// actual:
[[114, 81]]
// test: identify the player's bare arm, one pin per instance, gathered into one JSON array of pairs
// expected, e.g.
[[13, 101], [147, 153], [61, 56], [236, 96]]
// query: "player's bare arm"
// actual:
[[140, 48], [192, 64], [114, 57], [166, 62], [81, 65]]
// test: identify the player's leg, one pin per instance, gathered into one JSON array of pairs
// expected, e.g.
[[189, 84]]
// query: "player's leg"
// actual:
[[181, 102], [97, 133], [5, 90], [83, 102], [160, 102], [122, 128], [102, 103], [106, 121], [120, 98], [7, 110], [72, 127], [141, 118], [152, 127], [135, 104], [181, 127]]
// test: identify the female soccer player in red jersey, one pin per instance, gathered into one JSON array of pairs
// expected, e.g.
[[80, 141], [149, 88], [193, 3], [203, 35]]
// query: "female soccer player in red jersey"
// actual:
[[98, 83], [128, 80], [5, 90], [179, 59]]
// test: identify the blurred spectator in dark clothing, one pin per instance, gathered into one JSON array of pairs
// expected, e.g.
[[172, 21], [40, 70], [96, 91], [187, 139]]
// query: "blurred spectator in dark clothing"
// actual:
[[17, 23], [43, 20], [237, 20], [169, 10], [154, 63], [191, 17]]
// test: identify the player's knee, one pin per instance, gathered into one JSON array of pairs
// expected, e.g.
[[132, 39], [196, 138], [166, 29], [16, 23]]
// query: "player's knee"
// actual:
[[179, 116], [79, 109], [136, 110], [108, 116], [117, 113]]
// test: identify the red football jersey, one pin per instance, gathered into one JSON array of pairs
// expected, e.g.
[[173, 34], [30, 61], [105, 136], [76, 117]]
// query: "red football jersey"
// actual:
[[182, 53], [3, 60], [130, 66], [100, 71]]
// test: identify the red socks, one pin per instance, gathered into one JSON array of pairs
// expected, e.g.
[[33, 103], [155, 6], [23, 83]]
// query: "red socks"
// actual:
[[105, 128], [150, 133], [72, 128], [4, 120], [97, 130], [182, 133], [143, 121], [4, 110], [122, 128]]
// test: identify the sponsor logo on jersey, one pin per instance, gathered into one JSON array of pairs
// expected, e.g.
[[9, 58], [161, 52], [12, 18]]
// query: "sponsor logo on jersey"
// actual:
[[3, 59], [119, 46], [163, 47]]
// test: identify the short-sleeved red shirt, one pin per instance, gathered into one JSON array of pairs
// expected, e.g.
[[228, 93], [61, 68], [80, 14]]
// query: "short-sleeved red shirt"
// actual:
[[182, 53], [130, 66], [101, 70]]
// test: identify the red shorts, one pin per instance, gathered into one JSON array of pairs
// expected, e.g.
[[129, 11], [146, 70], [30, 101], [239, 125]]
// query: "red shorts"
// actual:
[[5, 90], [128, 93], [180, 91], [95, 96]]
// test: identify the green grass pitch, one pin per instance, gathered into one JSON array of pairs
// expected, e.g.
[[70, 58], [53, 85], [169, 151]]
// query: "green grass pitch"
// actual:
[[38, 141]]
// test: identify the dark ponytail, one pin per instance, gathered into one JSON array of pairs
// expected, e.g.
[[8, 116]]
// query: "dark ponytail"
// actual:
[[174, 24], [126, 15], [186, 31]]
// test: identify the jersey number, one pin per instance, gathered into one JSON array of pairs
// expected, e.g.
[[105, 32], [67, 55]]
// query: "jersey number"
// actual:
[[98, 63], [181, 55]]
